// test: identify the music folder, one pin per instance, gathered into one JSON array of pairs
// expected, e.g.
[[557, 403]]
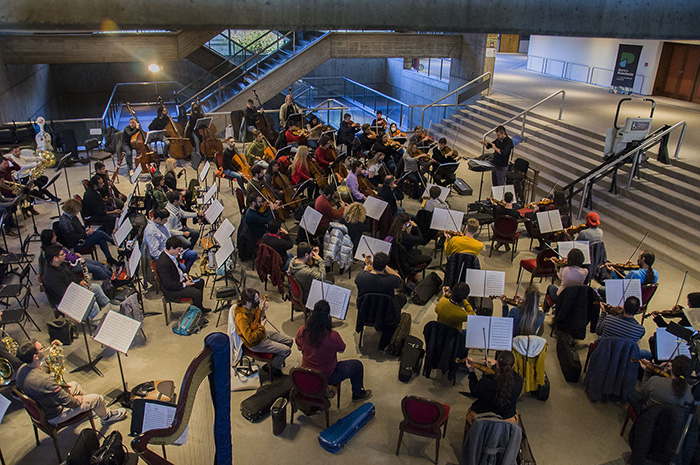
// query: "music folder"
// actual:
[[310, 220], [76, 302], [495, 331], [446, 219], [154, 135], [338, 298], [148, 414], [485, 283]]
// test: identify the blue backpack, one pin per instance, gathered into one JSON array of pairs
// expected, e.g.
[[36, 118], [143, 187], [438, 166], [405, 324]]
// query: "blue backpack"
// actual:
[[190, 322]]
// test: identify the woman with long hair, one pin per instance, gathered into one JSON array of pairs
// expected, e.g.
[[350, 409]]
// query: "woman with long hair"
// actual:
[[354, 218], [527, 318], [301, 172], [497, 393], [571, 274], [406, 236], [660, 390], [171, 182], [320, 344]]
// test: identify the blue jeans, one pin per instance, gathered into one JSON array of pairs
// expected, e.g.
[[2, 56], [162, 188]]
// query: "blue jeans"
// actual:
[[97, 269], [101, 300], [351, 369], [190, 241], [237, 176], [100, 239], [190, 256], [290, 257]]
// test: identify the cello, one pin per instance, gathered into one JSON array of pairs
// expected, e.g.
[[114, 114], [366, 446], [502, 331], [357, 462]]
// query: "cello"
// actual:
[[210, 145], [180, 146], [281, 182], [264, 122], [317, 173], [138, 143]]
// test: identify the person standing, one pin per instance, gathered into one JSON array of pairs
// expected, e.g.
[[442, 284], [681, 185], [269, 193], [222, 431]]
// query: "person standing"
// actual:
[[502, 148], [128, 133], [288, 109]]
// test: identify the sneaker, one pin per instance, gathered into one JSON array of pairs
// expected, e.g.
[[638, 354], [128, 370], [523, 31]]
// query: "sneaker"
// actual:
[[114, 416], [366, 394], [206, 310]]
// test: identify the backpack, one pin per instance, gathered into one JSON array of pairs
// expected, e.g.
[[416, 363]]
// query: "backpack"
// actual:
[[190, 322]]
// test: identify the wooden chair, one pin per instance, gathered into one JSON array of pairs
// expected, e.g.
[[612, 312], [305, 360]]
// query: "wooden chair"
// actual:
[[296, 296], [505, 232], [423, 417], [39, 421], [240, 198], [310, 390]]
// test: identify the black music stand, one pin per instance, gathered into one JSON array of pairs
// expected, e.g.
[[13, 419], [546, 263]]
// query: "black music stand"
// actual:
[[82, 315], [195, 160], [299, 119], [52, 182], [481, 169], [445, 169], [338, 160], [302, 187], [285, 151], [63, 164]]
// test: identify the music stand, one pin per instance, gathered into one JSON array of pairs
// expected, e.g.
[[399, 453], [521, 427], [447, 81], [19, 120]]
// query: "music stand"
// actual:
[[62, 164], [445, 169], [52, 182], [482, 168], [76, 304], [195, 160], [302, 187], [298, 116], [338, 160], [285, 151]]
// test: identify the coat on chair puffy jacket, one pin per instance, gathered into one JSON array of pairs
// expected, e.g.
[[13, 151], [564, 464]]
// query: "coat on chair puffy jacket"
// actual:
[[337, 246]]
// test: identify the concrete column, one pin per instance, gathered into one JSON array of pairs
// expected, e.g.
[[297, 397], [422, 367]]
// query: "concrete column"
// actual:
[[472, 60], [3, 88]]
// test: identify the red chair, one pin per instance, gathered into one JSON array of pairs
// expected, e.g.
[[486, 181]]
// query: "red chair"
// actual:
[[630, 414], [296, 296], [167, 303], [310, 391], [423, 417], [539, 267], [505, 232], [240, 197], [39, 421], [648, 291]]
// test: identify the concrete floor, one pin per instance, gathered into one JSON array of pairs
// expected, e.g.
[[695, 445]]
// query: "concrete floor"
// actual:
[[567, 429]]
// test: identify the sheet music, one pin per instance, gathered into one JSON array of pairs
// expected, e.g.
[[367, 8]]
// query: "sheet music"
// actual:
[[618, 290], [444, 192], [122, 232], [76, 302], [205, 171], [4, 404], [485, 283], [446, 219], [338, 298], [137, 172], [499, 332], [157, 416], [549, 221], [134, 259], [370, 245], [565, 247], [213, 212], [310, 220], [497, 192], [375, 207], [125, 212], [669, 346], [224, 252], [224, 231], [693, 316], [210, 194], [117, 331]]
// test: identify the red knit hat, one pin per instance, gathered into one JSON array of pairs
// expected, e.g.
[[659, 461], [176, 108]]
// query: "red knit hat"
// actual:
[[592, 220]]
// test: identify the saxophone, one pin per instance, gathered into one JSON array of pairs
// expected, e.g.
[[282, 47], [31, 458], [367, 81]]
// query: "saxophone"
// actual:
[[55, 362], [86, 273]]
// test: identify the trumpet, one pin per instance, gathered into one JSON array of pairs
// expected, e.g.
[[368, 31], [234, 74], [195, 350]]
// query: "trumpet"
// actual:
[[15, 187]]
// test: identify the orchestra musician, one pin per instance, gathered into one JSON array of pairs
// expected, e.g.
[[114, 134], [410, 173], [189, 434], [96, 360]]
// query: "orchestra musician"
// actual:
[[94, 208], [97, 269], [419, 137], [645, 272], [188, 236], [24, 165], [158, 124], [76, 236], [324, 153], [412, 167], [288, 108], [407, 237], [255, 218], [324, 206], [294, 135], [466, 243], [674, 390], [171, 181], [624, 325], [453, 308], [571, 274], [228, 167], [374, 168], [315, 128], [502, 146], [347, 131], [389, 193], [693, 300], [250, 117], [442, 154], [301, 172], [174, 283], [351, 180], [156, 235], [272, 170], [527, 316], [255, 183], [379, 124], [434, 200], [255, 152], [109, 191], [308, 265], [592, 233], [367, 139], [196, 113], [391, 151], [126, 148], [507, 209], [278, 238]]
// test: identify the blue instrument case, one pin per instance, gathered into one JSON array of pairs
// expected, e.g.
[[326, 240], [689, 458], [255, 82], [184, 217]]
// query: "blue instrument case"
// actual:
[[339, 433]]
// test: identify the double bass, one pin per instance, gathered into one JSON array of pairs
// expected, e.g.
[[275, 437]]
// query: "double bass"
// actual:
[[180, 146], [209, 145], [263, 122], [138, 143]]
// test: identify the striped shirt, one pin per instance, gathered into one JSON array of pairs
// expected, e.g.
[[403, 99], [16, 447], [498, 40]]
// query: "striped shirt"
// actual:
[[619, 326]]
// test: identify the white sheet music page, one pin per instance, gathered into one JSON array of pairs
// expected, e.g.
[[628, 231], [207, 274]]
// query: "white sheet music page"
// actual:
[[446, 219], [213, 212], [444, 192], [375, 207], [476, 325], [618, 290], [477, 282], [122, 232], [224, 252], [565, 247], [370, 245], [134, 259], [224, 231], [157, 416], [204, 172], [337, 297], [495, 283], [125, 212], [117, 331], [549, 221], [4, 403], [669, 346], [137, 172], [497, 192], [210, 193], [501, 334], [310, 220], [76, 302]]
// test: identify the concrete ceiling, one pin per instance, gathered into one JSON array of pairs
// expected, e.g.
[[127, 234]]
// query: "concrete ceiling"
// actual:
[[650, 19]]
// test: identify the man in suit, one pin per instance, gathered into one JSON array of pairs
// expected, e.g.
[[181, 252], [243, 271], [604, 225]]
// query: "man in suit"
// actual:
[[174, 282], [94, 209]]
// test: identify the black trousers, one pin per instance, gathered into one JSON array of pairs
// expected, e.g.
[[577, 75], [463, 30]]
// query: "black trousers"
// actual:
[[193, 292]]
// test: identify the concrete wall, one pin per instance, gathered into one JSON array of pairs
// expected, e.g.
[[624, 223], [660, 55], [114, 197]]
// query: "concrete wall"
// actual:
[[591, 60], [368, 71], [25, 91]]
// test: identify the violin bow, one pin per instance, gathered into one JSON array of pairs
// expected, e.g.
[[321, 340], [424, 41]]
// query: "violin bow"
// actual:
[[680, 292], [638, 246], [552, 189], [274, 214]]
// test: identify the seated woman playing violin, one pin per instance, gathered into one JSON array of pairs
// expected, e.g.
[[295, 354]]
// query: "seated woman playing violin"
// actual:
[[397, 134], [301, 171], [315, 128], [670, 387], [571, 274], [392, 152], [367, 139], [411, 166], [294, 135], [324, 153]]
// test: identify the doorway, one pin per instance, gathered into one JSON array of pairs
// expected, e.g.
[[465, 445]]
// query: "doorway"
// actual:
[[679, 72]]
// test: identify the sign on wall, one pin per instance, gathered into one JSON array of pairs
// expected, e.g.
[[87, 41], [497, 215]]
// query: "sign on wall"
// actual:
[[626, 65]]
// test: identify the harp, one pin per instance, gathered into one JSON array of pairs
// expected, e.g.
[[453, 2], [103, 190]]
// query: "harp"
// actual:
[[212, 362]]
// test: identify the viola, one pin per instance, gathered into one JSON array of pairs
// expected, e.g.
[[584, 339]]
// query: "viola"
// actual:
[[180, 146], [483, 367], [539, 203], [609, 309], [494, 201], [514, 301], [138, 143], [654, 368], [557, 261], [576, 229]]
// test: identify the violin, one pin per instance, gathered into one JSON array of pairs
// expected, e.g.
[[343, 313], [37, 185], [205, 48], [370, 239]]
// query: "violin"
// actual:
[[180, 146], [381, 123], [514, 301], [576, 229], [451, 233], [368, 262], [557, 261], [483, 367], [609, 309], [621, 266], [371, 135], [540, 203], [138, 143], [654, 368], [494, 201], [260, 313]]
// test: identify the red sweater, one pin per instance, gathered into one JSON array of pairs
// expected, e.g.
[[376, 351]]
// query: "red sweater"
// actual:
[[323, 206], [300, 173], [291, 138], [324, 357], [323, 157]]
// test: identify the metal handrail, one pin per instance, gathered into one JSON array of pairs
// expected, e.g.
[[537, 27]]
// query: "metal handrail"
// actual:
[[422, 115], [637, 153], [528, 110], [228, 60], [235, 69]]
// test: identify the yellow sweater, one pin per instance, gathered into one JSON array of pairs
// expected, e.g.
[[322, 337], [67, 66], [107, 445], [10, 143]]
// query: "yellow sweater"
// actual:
[[452, 314], [249, 329], [463, 244]]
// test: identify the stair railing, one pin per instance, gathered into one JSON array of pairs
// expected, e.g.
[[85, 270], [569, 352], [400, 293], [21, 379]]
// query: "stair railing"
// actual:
[[524, 114], [476, 81]]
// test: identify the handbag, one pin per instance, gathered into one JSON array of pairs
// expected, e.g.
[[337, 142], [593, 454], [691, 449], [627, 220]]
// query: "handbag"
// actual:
[[245, 378], [111, 452], [63, 329]]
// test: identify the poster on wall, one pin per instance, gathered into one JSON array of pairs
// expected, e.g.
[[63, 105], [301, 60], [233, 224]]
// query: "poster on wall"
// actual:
[[626, 65]]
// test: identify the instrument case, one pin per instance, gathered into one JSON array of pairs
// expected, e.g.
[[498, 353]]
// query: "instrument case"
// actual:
[[258, 405], [411, 358], [568, 357], [336, 436]]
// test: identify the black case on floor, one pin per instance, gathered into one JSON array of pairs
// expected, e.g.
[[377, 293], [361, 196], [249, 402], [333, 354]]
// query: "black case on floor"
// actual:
[[462, 187], [258, 405], [568, 358], [411, 358], [402, 331], [426, 289]]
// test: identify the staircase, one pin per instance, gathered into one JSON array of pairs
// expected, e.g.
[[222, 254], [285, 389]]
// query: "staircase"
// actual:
[[663, 201]]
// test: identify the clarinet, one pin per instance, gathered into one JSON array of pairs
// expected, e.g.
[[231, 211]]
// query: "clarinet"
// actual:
[[86, 274]]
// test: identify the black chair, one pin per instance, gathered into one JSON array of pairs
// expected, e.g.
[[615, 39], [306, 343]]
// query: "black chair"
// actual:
[[378, 310], [517, 172], [576, 308], [14, 290]]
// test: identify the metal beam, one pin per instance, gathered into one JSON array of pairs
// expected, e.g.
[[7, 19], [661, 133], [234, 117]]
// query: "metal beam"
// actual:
[[670, 19]]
